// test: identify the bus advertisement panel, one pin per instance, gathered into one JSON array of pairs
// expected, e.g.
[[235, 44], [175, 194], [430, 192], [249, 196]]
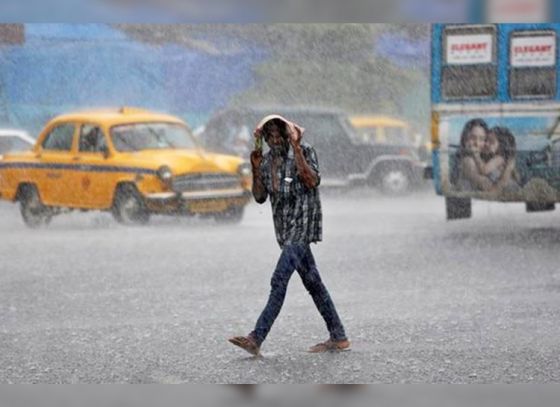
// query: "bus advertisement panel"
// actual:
[[498, 157]]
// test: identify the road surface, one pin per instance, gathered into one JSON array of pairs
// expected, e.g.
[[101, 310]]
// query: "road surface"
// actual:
[[423, 300]]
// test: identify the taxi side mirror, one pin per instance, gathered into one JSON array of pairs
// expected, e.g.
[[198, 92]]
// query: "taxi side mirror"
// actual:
[[105, 151]]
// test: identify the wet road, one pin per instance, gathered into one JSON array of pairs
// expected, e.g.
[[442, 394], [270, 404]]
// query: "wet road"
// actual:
[[89, 301]]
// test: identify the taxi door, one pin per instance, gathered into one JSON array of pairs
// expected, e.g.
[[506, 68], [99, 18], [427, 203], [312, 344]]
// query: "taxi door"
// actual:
[[95, 181], [54, 176]]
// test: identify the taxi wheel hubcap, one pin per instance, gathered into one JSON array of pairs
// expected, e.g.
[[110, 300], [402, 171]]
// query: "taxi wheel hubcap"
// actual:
[[33, 211], [131, 210]]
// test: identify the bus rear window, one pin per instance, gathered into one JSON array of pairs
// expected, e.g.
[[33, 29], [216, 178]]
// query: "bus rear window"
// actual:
[[532, 64], [469, 62]]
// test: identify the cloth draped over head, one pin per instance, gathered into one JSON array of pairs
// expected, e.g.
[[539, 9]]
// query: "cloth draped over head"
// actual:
[[289, 124]]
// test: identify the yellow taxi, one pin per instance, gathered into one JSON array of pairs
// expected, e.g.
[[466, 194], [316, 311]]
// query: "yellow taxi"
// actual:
[[387, 130], [129, 161], [383, 130]]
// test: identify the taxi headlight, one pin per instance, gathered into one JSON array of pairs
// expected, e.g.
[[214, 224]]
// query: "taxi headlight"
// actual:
[[164, 173], [244, 169]]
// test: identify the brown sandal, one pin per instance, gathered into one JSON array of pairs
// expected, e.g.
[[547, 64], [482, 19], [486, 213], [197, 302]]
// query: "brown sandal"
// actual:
[[247, 343], [330, 346]]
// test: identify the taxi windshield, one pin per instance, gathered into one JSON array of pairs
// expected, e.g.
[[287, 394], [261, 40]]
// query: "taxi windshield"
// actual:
[[152, 136]]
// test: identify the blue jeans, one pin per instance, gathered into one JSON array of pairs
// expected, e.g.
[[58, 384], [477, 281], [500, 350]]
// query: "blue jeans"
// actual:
[[298, 256]]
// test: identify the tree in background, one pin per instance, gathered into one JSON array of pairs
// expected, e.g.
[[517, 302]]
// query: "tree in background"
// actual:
[[361, 68], [332, 65], [10, 34]]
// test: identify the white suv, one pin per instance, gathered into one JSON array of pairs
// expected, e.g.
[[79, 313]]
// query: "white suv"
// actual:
[[12, 140]]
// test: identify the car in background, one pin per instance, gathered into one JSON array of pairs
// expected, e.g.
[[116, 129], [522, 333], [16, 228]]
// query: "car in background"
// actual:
[[345, 158], [383, 129], [129, 161], [14, 140], [377, 129]]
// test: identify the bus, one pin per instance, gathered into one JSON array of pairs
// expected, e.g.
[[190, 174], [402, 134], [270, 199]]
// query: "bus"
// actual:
[[495, 109]]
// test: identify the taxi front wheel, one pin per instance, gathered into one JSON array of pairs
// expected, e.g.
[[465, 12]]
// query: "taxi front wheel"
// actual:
[[129, 207], [33, 212]]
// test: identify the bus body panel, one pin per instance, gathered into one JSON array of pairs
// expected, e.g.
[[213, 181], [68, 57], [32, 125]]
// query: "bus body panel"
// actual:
[[532, 122], [503, 33]]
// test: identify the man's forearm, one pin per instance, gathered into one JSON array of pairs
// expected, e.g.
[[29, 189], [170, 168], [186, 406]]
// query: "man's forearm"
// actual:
[[259, 191], [306, 173]]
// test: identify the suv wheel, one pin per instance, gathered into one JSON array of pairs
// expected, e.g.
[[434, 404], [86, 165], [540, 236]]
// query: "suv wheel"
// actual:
[[395, 181], [129, 207], [33, 212]]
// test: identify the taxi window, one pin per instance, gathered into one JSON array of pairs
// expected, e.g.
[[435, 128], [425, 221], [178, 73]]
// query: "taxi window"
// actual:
[[92, 139], [150, 136], [60, 138], [397, 136], [370, 135]]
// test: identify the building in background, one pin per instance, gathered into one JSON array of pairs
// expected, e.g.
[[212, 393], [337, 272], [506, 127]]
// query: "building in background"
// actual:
[[61, 67]]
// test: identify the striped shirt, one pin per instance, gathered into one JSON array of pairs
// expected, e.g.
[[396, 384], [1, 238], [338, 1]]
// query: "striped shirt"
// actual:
[[296, 209]]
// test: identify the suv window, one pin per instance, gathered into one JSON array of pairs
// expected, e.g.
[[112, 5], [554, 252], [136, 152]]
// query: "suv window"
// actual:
[[92, 139], [60, 138], [12, 144], [321, 129]]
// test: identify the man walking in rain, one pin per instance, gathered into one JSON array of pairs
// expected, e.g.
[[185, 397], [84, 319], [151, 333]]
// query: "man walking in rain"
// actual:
[[289, 175]]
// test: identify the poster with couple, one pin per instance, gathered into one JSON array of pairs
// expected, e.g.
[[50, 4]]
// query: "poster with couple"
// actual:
[[501, 158]]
